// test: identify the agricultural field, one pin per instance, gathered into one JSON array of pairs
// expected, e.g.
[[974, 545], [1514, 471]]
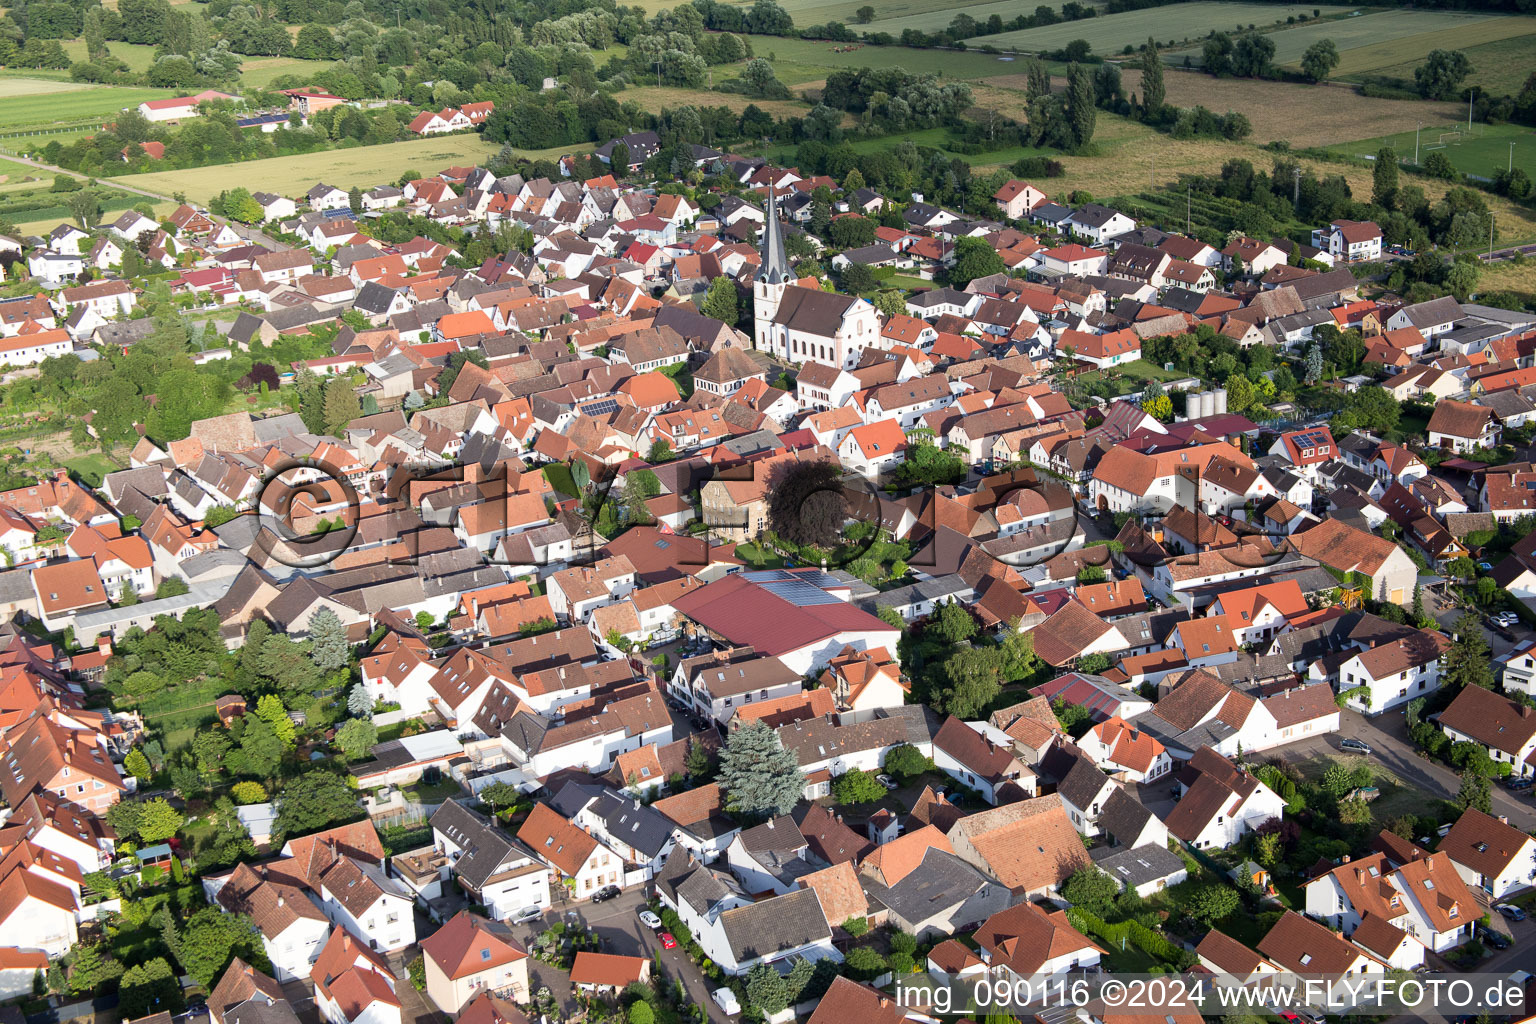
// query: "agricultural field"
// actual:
[[1483, 153], [890, 19], [1171, 25], [649, 97], [16, 177], [798, 61], [113, 202], [358, 165], [1508, 276], [1373, 43], [1303, 115], [26, 106]]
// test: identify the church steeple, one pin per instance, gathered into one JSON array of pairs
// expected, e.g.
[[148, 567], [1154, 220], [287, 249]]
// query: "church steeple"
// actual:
[[775, 267]]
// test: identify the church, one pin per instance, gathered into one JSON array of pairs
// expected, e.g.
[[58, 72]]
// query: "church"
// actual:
[[799, 324]]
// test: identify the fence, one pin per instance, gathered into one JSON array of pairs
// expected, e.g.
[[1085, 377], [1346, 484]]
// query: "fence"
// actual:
[[408, 813]]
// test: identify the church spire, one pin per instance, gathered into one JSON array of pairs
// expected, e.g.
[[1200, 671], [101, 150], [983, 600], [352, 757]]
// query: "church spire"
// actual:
[[775, 268]]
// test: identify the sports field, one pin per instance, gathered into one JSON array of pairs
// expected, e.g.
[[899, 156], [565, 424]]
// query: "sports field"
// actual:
[[293, 175], [1170, 26], [1483, 152]]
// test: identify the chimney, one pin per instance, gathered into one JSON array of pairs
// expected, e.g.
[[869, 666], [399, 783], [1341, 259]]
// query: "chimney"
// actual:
[[770, 824], [1346, 859], [280, 901], [1503, 819]]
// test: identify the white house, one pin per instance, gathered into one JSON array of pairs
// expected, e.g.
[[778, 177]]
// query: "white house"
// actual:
[[1393, 673], [1349, 240], [1490, 853]]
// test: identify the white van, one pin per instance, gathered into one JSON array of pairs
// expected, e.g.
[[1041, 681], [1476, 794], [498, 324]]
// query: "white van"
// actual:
[[726, 1000]]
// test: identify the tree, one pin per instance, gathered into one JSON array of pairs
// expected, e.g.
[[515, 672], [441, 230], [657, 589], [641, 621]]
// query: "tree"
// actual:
[[1211, 903], [328, 641], [806, 504], [864, 15], [138, 765], [857, 787], [974, 257], [974, 677], [1439, 77], [1320, 60], [1466, 661], [640, 1012], [954, 623], [759, 775], [698, 762], [1153, 92], [148, 987], [1314, 364], [159, 821], [1476, 791], [766, 989], [270, 709], [660, 451], [341, 405], [359, 702], [313, 801], [248, 792], [213, 938], [356, 737], [1090, 574], [618, 159], [858, 278], [720, 301], [1091, 889], [906, 762], [1082, 111], [1384, 178], [1337, 780], [261, 751]]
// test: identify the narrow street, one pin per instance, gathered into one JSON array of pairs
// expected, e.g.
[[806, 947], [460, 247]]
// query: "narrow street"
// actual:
[[617, 923]]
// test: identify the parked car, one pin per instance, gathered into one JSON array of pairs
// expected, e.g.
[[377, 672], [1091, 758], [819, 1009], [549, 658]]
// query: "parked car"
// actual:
[[886, 781], [650, 920], [667, 941], [1485, 566], [1358, 746], [606, 893], [527, 914], [1519, 785], [1510, 911], [1489, 937]]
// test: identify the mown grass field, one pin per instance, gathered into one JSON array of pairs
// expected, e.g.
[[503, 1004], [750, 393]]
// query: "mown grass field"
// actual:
[[1377, 56], [137, 56], [10, 88], [668, 97], [1508, 276], [1501, 67], [67, 104], [1171, 25], [1483, 153], [292, 175], [818, 54]]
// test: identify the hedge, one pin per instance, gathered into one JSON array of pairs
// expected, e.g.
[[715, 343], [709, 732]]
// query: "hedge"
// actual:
[[1138, 934]]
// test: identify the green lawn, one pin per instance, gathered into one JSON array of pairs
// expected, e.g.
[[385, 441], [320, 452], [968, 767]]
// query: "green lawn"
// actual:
[[1484, 152], [91, 468], [559, 477], [758, 557], [259, 72], [138, 56]]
